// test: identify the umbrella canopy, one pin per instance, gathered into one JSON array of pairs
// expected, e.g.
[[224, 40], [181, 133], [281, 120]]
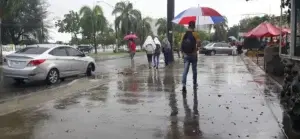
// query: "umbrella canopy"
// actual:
[[201, 15], [285, 30], [130, 36], [264, 29]]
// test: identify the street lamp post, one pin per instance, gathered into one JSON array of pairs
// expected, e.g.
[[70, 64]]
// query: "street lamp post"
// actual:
[[170, 16], [1, 56]]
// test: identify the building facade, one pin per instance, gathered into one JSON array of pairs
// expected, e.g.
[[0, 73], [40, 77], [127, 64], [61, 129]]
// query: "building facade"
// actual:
[[290, 56]]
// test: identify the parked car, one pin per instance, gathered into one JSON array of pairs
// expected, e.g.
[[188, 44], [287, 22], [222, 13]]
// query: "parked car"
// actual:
[[203, 49], [85, 48], [219, 48], [47, 62]]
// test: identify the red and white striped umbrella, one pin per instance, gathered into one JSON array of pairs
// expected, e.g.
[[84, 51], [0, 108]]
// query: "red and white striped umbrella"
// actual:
[[201, 15]]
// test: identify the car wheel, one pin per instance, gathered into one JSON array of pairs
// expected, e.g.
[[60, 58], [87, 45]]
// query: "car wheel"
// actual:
[[89, 69], [52, 77], [213, 52]]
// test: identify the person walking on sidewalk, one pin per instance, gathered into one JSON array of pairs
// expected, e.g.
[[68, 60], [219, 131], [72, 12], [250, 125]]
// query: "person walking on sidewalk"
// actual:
[[189, 47], [156, 52], [132, 48], [166, 49], [149, 47]]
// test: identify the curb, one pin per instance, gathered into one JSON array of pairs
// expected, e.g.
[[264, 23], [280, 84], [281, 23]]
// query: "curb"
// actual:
[[270, 77]]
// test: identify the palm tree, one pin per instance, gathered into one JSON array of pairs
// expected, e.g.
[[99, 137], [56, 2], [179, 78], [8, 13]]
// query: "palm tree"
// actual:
[[178, 28], [221, 30], [162, 26], [128, 17], [144, 28], [92, 21]]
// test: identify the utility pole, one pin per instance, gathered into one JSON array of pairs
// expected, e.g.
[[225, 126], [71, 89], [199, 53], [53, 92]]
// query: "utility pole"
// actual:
[[170, 16], [280, 25], [1, 56]]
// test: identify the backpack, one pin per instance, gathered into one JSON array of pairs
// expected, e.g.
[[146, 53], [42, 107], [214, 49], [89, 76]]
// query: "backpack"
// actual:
[[157, 49], [149, 49], [188, 45]]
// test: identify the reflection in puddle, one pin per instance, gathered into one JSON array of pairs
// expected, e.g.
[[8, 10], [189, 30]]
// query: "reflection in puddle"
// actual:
[[21, 124]]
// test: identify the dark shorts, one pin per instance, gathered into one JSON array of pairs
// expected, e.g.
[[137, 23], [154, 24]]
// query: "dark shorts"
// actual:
[[149, 57]]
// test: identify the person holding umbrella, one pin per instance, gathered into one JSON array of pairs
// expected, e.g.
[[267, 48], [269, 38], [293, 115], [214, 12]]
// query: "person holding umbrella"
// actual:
[[131, 44], [132, 48], [191, 40]]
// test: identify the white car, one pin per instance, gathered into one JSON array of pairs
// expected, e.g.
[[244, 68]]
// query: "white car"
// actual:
[[47, 62], [219, 48]]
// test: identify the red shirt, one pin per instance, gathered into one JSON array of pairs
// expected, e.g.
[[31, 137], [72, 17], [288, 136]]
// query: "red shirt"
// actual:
[[132, 46]]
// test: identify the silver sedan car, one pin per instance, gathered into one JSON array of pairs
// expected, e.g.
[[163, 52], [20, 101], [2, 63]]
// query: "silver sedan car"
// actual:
[[218, 48], [48, 62]]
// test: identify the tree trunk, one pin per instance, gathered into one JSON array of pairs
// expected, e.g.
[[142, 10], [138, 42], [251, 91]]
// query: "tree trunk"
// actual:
[[77, 41], [95, 43]]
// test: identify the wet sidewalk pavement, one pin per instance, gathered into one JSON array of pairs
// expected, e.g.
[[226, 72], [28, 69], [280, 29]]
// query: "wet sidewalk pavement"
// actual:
[[234, 100]]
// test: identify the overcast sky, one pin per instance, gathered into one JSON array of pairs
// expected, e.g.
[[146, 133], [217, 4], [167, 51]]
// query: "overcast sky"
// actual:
[[234, 10]]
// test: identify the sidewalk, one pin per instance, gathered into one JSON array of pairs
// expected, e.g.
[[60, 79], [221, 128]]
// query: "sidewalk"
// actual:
[[234, 100]]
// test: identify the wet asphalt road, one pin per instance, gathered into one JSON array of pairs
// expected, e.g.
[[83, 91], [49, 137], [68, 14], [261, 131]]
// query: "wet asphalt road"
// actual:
[[234, 100], [104, 65]]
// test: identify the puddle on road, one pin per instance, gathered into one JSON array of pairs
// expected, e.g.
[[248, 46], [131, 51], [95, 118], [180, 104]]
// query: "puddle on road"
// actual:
[[21, 124]]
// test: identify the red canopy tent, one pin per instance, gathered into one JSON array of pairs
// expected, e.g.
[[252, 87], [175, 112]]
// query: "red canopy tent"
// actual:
[[264, 29], [286, 30]]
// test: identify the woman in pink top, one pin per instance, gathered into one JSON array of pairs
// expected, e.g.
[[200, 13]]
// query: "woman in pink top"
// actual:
[[132, 48]]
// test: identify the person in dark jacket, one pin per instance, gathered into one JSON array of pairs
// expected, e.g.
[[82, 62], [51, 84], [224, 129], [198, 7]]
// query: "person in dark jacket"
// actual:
[[166, 49]]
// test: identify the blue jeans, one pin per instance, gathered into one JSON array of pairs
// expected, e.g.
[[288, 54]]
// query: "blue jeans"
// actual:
[[187, 61], [156, 60]]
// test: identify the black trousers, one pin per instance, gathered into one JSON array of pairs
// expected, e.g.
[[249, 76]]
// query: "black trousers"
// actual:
[[167, 58], [149, 58]]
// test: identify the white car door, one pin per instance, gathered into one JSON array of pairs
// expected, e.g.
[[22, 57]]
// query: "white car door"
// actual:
[[60, 59], [227, 48], [78, 63]]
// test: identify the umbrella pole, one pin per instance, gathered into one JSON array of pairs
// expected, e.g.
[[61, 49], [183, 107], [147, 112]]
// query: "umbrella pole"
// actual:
[[280, 24]]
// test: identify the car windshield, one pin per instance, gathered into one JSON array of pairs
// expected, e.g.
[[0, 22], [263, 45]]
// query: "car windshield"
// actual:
[[32, 50]]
